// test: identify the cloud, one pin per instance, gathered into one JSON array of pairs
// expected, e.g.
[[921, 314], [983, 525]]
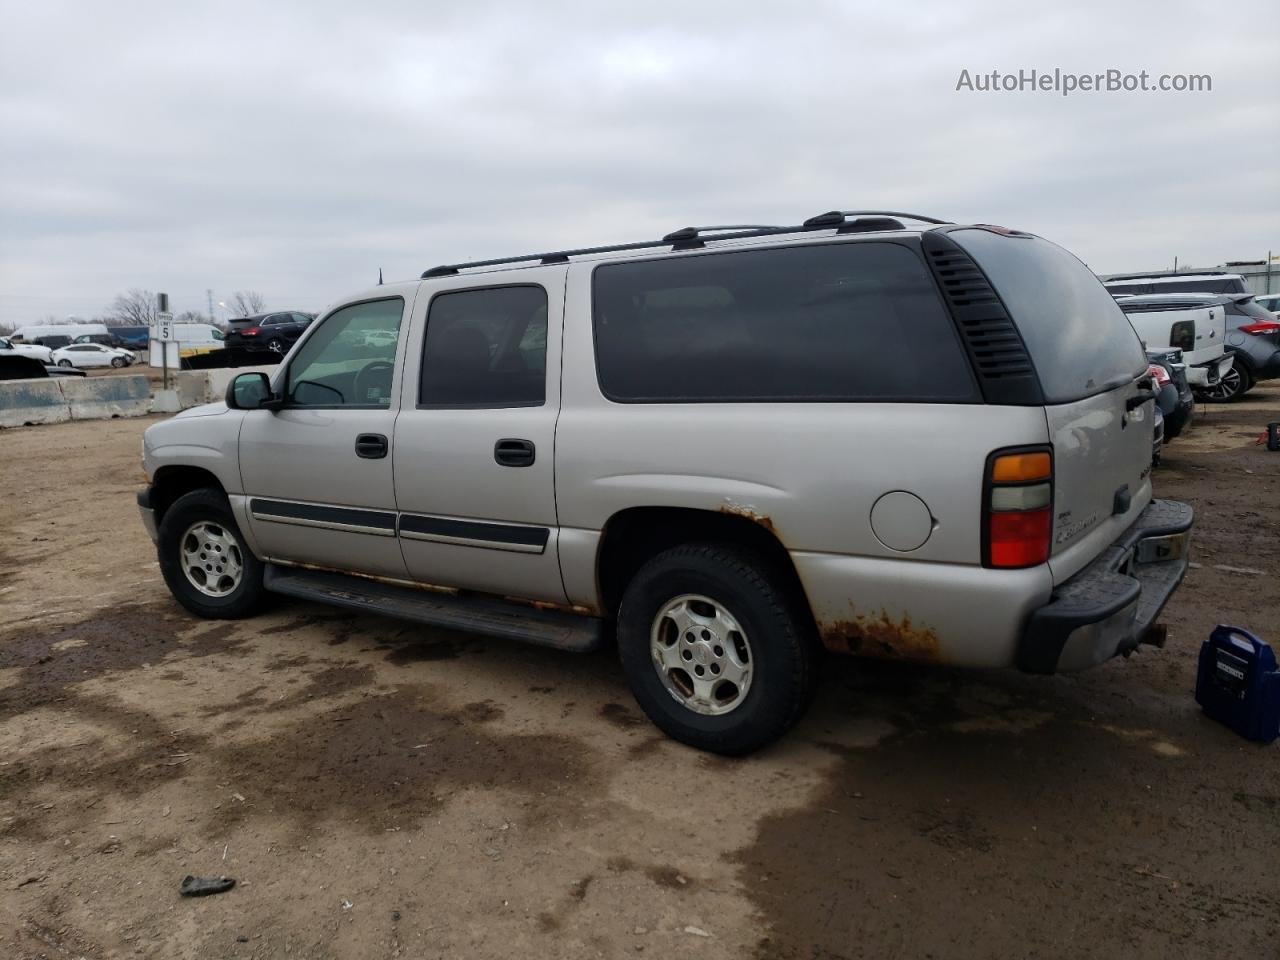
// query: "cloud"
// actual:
[[298, 148]]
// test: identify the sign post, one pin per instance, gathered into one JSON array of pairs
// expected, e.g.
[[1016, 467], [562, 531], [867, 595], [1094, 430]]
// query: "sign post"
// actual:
[[162, 330]]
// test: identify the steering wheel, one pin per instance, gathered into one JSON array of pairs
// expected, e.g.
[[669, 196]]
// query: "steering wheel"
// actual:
[[363, 382]]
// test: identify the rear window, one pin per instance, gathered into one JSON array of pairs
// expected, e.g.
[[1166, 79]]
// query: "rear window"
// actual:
[[1208, 285], [1251, 308], [1079, 340], [831, 322]]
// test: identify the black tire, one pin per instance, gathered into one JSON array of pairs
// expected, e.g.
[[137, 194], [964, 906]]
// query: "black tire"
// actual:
[[211, 506], [783, 650], [1232, 387], [276, 345], [118, 362], [65, 363]]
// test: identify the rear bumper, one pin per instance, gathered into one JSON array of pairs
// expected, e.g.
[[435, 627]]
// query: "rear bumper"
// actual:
[[1208, 374], [1110, 606], [1268, 369], [1179, 420]]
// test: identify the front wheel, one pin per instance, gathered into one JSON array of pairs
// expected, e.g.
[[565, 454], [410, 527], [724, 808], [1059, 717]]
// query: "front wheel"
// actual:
[[204, 559], [117, 362], [1235, 383], [717, 650], [275, 345]]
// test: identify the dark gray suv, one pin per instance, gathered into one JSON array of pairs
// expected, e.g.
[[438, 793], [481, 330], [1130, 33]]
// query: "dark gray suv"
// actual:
[[276, 332]]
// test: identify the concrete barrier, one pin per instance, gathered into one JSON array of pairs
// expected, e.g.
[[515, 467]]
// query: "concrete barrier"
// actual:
[[194, 387], [53, 400], [102, 398], [24, 402]]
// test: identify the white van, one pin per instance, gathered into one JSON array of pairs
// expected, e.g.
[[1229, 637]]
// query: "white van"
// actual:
[[1196, 328], [69, 330], [192, 339]]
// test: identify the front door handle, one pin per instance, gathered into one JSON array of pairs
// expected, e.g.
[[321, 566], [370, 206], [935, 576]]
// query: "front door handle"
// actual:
[[514, 453], [371, 446]]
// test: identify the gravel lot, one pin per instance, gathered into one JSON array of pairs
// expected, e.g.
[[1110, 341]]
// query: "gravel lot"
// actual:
[[380, 790]]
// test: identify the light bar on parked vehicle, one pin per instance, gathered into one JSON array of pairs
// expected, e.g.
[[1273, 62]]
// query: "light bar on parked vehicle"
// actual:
[[1017, 508]]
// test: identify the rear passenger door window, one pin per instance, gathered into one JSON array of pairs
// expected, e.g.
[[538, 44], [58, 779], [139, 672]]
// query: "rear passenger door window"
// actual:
[[830, 322], [485, 348]]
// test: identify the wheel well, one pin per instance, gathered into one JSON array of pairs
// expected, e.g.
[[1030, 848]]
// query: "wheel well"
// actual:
[[173, 482], [632, 537]]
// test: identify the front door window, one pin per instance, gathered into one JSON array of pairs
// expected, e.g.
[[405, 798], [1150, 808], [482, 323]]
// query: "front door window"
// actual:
[[350, 360]]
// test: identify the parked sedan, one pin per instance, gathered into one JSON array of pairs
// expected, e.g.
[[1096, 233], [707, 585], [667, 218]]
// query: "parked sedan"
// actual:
[[84, 355], [1173, 394], [1253, 338], [35, 351], [275, 331]]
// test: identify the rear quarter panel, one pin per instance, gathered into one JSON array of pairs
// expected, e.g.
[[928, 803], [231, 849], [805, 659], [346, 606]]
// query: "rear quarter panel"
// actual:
[[810, 473]]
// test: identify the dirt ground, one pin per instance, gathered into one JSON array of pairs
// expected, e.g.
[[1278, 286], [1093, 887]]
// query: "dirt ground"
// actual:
[[380, 790]]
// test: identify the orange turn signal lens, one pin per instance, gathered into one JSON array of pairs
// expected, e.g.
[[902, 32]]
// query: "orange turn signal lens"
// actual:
[[1021, 467]]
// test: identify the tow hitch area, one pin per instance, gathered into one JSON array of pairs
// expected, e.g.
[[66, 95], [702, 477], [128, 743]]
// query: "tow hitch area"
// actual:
[[1156, 635]]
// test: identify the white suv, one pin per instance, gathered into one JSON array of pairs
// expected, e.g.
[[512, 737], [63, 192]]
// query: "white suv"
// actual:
[[730, 448]]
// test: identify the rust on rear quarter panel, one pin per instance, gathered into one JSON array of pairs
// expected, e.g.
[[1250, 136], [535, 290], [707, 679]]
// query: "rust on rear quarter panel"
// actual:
[[747, 512], [881, 636]]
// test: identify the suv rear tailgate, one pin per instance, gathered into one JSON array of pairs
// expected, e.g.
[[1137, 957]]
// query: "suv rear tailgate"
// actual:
[[1102, 472], [1093, 381]]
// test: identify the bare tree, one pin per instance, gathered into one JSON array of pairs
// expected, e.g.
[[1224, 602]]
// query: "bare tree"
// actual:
[[190, 316], [137, 308], [245, 303], [6, 329]]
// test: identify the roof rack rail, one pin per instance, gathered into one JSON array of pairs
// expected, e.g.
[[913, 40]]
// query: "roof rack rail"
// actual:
[[688, 238], [837, 218], [1157, 274], [691, 238]]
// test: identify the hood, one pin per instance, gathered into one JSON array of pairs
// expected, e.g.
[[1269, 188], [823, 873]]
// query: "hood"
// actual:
[[204, 410]]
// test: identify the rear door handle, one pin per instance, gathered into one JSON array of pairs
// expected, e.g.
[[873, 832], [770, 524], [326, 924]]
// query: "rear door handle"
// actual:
[[1138, 399], [371, 446], [514, 453]]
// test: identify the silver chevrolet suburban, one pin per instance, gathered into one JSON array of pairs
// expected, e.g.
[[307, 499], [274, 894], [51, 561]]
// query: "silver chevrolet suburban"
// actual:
[[726, 450]]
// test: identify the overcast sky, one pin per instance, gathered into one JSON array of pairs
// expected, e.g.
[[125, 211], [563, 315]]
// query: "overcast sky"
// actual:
[[184, 146]]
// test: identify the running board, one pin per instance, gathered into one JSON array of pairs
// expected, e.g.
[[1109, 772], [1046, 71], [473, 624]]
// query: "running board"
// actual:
[[475, 614]]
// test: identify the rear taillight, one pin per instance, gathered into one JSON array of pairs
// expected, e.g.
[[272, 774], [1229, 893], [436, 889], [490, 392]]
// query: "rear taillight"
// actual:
[[1183, 335], [250, 332], [1018, 508], [1259, 327], [1159, 374]]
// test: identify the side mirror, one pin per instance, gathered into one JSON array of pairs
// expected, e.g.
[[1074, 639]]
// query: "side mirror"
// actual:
[[249, 391]]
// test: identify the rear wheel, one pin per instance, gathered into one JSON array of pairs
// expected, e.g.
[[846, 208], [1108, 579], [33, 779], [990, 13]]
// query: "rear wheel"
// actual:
[[65, 363], [205, 561], [717, 650], [275, 345], [1235, 383]]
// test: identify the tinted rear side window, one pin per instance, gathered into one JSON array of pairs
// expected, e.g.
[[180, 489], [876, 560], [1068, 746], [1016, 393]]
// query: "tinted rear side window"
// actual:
[[486, 348], [848, 321], [1080, 341]]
